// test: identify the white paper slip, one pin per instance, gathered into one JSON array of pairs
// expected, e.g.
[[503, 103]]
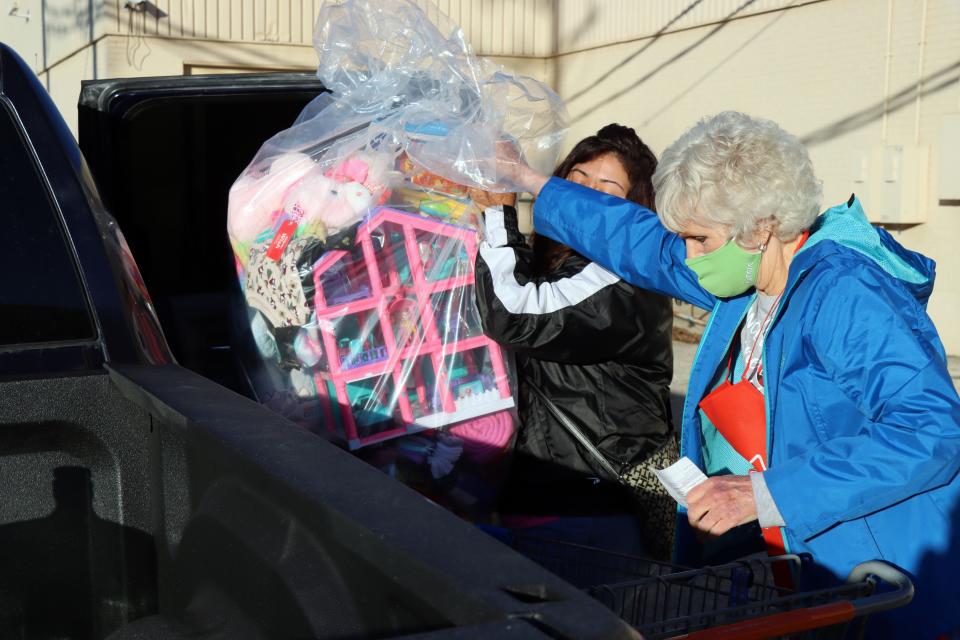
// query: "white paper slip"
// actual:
[[679, 478]]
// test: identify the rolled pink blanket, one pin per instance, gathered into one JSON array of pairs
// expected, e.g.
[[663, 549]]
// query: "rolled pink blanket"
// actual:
[[485, 438]]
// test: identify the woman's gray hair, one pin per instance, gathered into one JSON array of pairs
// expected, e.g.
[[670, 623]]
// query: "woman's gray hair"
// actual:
[[738, 171]]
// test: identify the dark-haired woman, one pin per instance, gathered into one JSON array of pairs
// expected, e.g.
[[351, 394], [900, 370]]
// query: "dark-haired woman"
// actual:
[[591, 350]]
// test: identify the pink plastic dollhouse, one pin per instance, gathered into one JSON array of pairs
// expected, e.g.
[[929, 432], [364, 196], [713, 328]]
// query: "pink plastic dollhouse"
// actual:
[[403, 346]]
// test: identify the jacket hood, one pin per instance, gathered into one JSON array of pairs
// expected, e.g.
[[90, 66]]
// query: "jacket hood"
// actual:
[[846, 225]]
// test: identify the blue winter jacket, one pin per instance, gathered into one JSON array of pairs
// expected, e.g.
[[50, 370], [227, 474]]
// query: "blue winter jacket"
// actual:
[[863, 421]]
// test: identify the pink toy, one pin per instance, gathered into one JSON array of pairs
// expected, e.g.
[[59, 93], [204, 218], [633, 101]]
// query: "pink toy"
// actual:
[[306, 202], [291, 164], [319, 206], [350, 170], [307, 346], [251, 208], [386, 272], [323, 203], [295, 192], [256, 201], [485, 438]]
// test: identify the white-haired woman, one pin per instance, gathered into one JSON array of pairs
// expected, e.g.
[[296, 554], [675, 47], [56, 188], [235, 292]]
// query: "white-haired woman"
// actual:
[[819, 402]]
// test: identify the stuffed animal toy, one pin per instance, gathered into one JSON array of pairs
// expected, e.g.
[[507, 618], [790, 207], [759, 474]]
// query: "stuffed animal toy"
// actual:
[[324, 203], [280, 218], [304, 204], [256, 199], [319, 206], [312, 202]]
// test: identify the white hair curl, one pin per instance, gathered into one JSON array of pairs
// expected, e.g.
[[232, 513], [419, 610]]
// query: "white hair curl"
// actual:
[[741, 172]]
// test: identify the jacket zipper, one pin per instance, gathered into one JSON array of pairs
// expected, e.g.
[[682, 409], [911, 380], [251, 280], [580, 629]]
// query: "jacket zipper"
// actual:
[[766, 403]]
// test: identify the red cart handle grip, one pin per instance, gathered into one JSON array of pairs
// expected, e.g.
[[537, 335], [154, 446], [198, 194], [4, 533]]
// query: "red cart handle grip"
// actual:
[[779, 624]]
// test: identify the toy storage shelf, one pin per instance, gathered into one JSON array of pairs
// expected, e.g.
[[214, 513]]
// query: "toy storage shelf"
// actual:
[[355, 374], [388, 293], [375, 284]]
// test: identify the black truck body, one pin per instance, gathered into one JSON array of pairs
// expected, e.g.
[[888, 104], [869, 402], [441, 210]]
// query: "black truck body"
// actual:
[[144, 500]]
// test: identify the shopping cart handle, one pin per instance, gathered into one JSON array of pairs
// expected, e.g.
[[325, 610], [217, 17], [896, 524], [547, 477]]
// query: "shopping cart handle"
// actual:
[[884, 600], [777, 624], [797, 620]]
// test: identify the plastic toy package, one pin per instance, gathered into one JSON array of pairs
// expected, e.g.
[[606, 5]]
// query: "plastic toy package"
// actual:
[[355, 239]]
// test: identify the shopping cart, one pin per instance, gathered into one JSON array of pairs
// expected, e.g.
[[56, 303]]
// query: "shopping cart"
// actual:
[[737, 600]]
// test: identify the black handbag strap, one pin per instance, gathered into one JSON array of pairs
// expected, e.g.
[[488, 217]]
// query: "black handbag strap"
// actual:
[[578, 435]]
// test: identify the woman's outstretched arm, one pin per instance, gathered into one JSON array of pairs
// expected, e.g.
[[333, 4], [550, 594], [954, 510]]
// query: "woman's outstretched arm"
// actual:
[[626, 238]]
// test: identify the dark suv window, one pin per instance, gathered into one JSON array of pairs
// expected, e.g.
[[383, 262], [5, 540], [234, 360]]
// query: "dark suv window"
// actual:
[[41, 298]]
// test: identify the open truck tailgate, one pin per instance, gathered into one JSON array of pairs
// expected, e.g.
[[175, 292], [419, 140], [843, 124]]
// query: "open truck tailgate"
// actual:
[[257, 511]]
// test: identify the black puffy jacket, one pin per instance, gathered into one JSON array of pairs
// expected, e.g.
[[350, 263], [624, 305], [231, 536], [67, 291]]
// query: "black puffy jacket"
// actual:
[[598, 347]]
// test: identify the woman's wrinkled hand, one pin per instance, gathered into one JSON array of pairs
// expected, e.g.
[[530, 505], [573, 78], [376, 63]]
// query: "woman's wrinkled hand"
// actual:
[[484, 199], [720, 504]]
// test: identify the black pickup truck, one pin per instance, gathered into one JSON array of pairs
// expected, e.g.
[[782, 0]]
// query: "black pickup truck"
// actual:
[[141, 499]]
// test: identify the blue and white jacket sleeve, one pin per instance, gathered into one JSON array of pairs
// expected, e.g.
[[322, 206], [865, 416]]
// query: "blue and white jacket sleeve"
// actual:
[[877, 346], [622, 236], [580, 313]]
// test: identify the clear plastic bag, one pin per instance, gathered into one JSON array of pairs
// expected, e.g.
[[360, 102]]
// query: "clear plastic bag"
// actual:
[[420, 81], [355, 248]]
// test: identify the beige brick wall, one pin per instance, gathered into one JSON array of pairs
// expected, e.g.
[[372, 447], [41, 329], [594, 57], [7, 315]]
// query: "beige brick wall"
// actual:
[[845, 75], [821, 70], [87, 39]]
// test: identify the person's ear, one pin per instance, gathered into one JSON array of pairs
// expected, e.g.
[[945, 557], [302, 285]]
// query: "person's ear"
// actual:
[[764, 233], [768, 236]]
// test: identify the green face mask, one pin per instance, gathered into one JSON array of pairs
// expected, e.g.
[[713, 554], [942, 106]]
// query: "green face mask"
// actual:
[[727, 271]]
